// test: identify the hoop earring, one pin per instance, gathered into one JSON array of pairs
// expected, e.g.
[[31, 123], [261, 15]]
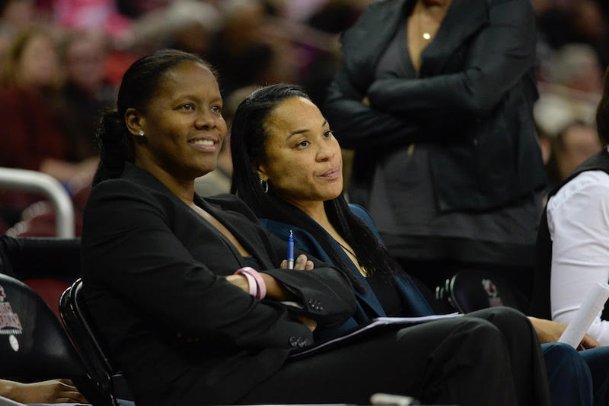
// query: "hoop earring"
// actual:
[[264, 185]]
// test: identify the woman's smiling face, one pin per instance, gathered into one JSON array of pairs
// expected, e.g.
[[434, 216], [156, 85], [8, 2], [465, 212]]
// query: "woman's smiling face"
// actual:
[[303, 162], [183, 125]]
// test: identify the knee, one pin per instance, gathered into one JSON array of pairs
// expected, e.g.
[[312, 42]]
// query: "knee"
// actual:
[[479, 334], [561, 358], [567, 371], [506, 319], [477, 341]]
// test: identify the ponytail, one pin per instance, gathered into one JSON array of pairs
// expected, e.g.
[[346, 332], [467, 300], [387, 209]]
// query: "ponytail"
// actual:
[[114, 145]]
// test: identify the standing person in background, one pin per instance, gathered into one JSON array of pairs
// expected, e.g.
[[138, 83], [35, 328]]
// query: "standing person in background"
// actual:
[[85, 93], [435, 97]]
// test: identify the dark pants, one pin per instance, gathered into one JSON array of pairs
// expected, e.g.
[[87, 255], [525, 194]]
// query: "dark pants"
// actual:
[[569, 376], [490, 357], [597, 360]]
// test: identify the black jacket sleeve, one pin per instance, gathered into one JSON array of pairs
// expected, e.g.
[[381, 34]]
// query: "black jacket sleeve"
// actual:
[[129, 247]]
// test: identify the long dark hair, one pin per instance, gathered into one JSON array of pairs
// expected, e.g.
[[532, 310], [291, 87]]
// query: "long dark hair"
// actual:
[[248, 139], [139, 85]]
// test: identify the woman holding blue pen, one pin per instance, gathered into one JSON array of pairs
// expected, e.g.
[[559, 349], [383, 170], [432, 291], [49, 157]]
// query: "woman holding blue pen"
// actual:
[[281, 138]]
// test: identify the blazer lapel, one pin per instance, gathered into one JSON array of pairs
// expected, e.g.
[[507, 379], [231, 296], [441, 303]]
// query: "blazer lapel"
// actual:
[[246, 234], [364, 44]]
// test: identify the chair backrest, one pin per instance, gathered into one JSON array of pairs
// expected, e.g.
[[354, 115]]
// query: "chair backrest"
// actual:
[[49, 290], [92, 352], [33, 345], [47, 265], [471, 290]]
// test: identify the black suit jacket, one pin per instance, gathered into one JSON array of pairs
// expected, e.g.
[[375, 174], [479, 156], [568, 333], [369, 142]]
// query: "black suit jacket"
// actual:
[[153, 279], [472, 102]]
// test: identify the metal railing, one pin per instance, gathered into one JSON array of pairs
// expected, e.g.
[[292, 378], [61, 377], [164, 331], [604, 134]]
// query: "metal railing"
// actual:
[[37, 182]]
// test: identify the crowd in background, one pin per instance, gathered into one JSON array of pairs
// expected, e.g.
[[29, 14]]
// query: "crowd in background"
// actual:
[[61, 61]]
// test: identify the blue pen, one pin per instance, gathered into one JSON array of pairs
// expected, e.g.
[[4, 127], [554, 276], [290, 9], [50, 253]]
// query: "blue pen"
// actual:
[[291, 251]]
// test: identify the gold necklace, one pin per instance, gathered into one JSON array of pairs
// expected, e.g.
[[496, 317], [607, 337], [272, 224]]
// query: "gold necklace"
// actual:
[[355, 261], [347, 249], [425, 34]]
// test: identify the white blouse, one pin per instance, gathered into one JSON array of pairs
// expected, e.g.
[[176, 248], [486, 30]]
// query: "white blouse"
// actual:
[[578, 220]]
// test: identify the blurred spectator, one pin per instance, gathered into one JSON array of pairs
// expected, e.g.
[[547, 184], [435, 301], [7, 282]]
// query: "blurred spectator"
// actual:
[[570, 90], [575, 21], [577, 142], [138, 8], [188, 25], [249, 49], [15, 16], [331, 18], [85, 93], [90, 15], [31, 129]]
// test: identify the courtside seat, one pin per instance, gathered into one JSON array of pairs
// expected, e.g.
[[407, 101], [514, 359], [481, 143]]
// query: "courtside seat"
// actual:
[[33, 344], [91, 349]]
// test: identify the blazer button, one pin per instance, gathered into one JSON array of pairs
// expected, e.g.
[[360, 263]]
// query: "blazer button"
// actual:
[[293, 340]]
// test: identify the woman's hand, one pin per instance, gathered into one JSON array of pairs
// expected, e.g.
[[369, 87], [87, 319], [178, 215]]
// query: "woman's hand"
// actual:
[[273, 289], [54, 391], [549, 331], [302, 263]]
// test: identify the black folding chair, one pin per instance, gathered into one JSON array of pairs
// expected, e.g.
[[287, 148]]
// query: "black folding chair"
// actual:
[[33, 344], [82, 332], [471, 290]]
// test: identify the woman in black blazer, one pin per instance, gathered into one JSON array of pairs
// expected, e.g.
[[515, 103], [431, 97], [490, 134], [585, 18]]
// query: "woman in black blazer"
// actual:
[[436, 99], [171, 280]]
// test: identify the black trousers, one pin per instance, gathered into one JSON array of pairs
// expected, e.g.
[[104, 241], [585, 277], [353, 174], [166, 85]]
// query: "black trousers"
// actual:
[[490, 357]]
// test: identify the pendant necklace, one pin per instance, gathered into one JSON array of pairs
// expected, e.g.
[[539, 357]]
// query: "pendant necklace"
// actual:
[[425, 34]]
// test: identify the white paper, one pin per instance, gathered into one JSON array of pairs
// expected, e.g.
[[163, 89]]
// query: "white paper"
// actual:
[[589, 310]]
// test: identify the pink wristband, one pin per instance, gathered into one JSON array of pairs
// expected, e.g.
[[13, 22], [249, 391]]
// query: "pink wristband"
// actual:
[[259, 282], [252, 286]]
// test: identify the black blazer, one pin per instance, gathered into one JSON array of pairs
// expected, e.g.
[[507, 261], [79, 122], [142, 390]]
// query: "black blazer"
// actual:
[[472, 102], [153, 279]]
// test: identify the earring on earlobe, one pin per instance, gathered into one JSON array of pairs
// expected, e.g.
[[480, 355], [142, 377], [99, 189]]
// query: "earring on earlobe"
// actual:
[[141, 133], [264, 185]]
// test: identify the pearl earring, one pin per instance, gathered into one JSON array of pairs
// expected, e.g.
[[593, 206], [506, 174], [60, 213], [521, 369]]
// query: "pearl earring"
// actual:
[[141, 133]]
